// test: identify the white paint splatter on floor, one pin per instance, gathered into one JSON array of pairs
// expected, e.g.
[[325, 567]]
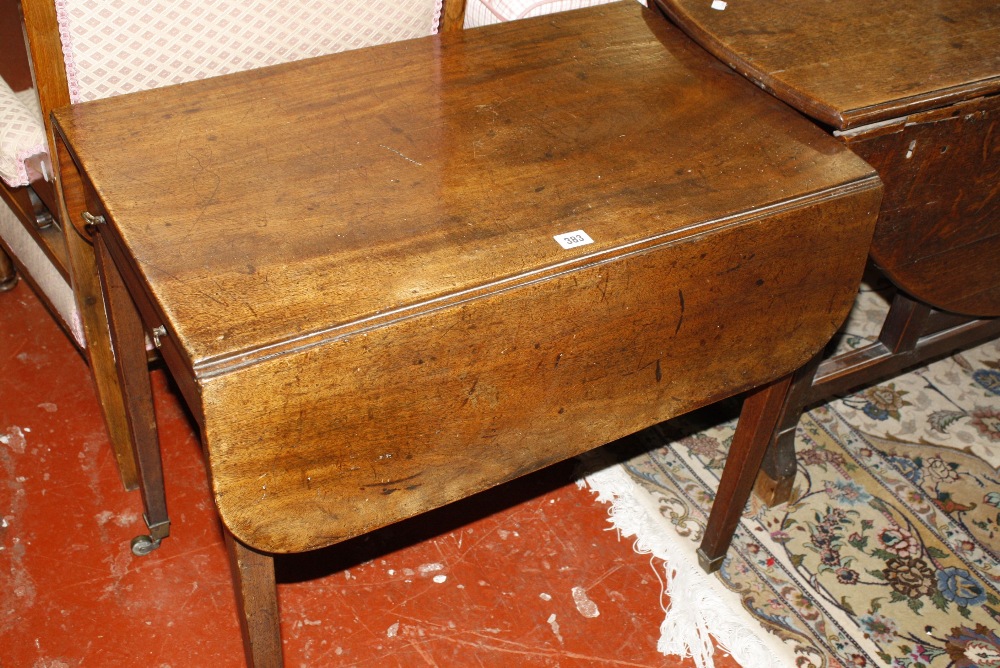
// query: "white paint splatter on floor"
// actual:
[[427, 569], [14, 439], [555, 627], [584, 605]]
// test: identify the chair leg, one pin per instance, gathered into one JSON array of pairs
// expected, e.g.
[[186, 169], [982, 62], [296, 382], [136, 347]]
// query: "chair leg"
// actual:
[[8, 273], [761, 411], [257, 601], [128, 345]]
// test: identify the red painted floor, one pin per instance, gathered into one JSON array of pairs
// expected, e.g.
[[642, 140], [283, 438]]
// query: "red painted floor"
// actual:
[[487, 582]]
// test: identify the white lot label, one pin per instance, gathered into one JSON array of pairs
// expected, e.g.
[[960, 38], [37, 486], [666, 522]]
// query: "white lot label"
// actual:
[[573, 239]]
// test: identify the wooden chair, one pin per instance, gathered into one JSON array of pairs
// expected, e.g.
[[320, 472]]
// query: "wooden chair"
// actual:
[[40, 245], [28, 239]]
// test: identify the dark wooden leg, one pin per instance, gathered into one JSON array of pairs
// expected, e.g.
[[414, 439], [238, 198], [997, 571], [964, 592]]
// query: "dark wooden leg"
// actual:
[[777, 472], [90, 302], [905, 323], [758, 419], [8, 274], [86, 287], [128, 344], [257, 600]]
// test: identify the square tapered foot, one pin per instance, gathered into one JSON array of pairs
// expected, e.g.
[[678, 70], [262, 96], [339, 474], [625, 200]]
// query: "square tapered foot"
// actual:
[[708, 564]]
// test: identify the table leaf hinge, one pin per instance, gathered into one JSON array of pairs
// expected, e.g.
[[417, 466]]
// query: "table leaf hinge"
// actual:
[[91, 221], [158, 333]]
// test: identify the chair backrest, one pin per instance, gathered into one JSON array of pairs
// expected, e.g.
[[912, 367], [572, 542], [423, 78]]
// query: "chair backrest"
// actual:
[[87, 49], [123, 46]]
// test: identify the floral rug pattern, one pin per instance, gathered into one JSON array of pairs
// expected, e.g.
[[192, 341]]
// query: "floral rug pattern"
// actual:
[[888, 553], [954, 402]]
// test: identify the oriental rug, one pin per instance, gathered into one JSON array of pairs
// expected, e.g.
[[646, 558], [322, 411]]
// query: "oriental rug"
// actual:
[[888, 553]]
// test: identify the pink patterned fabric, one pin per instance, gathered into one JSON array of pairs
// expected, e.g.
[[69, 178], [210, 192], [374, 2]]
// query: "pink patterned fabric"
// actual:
[[22, 134], [120, 46], [484, 12], [44, 274]]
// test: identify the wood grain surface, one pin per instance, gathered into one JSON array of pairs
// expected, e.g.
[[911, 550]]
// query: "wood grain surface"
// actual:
[[354, 260], [912, 86], [938, 235], [334, 190], [387, 423], [854, 62], [14, 67]]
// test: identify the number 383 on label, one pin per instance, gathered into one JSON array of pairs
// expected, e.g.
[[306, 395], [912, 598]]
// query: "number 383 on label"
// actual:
[[573, 239]]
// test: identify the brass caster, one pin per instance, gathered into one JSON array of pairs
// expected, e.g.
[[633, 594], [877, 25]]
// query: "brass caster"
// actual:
[[8, 283], [143, 545]]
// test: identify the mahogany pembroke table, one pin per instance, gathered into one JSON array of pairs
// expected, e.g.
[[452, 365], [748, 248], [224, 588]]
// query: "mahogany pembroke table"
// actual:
[[390, 278]]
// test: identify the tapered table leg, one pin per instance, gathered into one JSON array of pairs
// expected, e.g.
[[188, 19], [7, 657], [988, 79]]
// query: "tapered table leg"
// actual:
[[128, 345], [777, 472], [257, 600], [905, 324], [761, 411]]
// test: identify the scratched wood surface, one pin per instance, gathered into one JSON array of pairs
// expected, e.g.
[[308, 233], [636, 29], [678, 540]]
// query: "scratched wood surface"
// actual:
[[938, 235], [354, 260], [913, 83], [854, 62]]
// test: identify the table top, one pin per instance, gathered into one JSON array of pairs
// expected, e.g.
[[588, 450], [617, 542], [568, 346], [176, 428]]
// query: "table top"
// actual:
[[271, 209], [854, 62], [355, 260]]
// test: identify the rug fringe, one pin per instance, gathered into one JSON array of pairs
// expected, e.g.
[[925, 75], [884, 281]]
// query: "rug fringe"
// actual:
[[697, 611]]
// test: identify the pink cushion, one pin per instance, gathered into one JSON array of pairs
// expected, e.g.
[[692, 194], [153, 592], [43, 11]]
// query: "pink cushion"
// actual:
[[22, 134]]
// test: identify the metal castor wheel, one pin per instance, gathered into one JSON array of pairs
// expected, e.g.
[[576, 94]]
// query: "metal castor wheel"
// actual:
[[8, 273], [143, 545], [8, 283]]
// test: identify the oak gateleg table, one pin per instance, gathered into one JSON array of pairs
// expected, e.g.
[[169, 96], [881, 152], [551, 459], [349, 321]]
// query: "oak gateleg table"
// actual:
[[919, 102], [390, 278]]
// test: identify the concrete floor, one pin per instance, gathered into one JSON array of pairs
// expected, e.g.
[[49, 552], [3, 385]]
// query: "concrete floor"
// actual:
[[527, 573]]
